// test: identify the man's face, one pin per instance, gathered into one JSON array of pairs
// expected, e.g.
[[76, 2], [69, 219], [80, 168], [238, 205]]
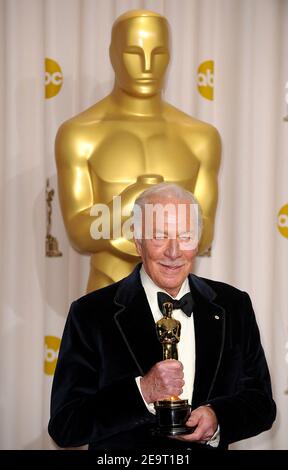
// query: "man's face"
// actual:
[[169, 251], [140, 55]]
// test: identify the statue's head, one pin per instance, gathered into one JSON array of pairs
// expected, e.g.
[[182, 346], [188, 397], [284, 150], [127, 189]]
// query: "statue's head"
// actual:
[[139, 52]]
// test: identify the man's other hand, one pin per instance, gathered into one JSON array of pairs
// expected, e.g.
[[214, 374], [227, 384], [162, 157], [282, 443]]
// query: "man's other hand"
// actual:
[[205, 420]]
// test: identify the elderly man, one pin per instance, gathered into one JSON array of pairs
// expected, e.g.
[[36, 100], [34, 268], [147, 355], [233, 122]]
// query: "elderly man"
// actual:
[[111, 371]]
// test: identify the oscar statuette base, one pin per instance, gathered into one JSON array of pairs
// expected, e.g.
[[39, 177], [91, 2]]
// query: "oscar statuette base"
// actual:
[[171, 416]]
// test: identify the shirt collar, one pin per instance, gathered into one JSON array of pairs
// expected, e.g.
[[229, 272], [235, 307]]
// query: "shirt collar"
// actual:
[[151, 289]]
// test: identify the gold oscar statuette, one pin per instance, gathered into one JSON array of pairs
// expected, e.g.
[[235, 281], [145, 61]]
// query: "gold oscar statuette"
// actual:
[[171, 412]]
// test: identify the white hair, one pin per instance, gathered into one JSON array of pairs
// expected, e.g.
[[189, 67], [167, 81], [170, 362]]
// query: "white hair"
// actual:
[[167, 191]]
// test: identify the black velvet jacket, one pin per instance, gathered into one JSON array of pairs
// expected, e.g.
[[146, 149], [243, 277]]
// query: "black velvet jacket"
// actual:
[[110, 338]]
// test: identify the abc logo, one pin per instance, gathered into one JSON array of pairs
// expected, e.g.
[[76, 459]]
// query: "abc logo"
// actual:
[[53, 78], [51, 349], [283, 221], [205, 79]]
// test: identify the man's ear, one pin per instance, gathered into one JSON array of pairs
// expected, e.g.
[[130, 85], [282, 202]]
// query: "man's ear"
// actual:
[[138, 245]]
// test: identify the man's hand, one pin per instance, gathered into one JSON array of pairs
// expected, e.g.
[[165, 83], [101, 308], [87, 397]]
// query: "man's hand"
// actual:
[[205, 420], [164, 380]]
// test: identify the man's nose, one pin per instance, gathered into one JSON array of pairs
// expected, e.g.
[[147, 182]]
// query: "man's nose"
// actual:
[[172, 249]]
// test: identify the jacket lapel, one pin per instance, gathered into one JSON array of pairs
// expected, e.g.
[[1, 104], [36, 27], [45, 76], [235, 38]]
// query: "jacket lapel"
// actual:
[[136, 323], [209, 324]]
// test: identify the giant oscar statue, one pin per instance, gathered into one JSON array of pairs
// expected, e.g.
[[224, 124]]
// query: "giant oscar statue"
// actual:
[[130, 140]]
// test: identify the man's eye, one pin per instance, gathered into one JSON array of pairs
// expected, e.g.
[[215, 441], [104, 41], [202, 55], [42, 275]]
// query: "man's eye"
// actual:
[[185, 238], [159, 236]]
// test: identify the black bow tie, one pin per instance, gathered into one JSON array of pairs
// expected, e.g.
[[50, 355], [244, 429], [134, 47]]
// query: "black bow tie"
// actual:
[[185, 303]]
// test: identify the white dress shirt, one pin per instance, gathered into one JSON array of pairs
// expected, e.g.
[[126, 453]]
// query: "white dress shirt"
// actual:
[[186, 345]]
